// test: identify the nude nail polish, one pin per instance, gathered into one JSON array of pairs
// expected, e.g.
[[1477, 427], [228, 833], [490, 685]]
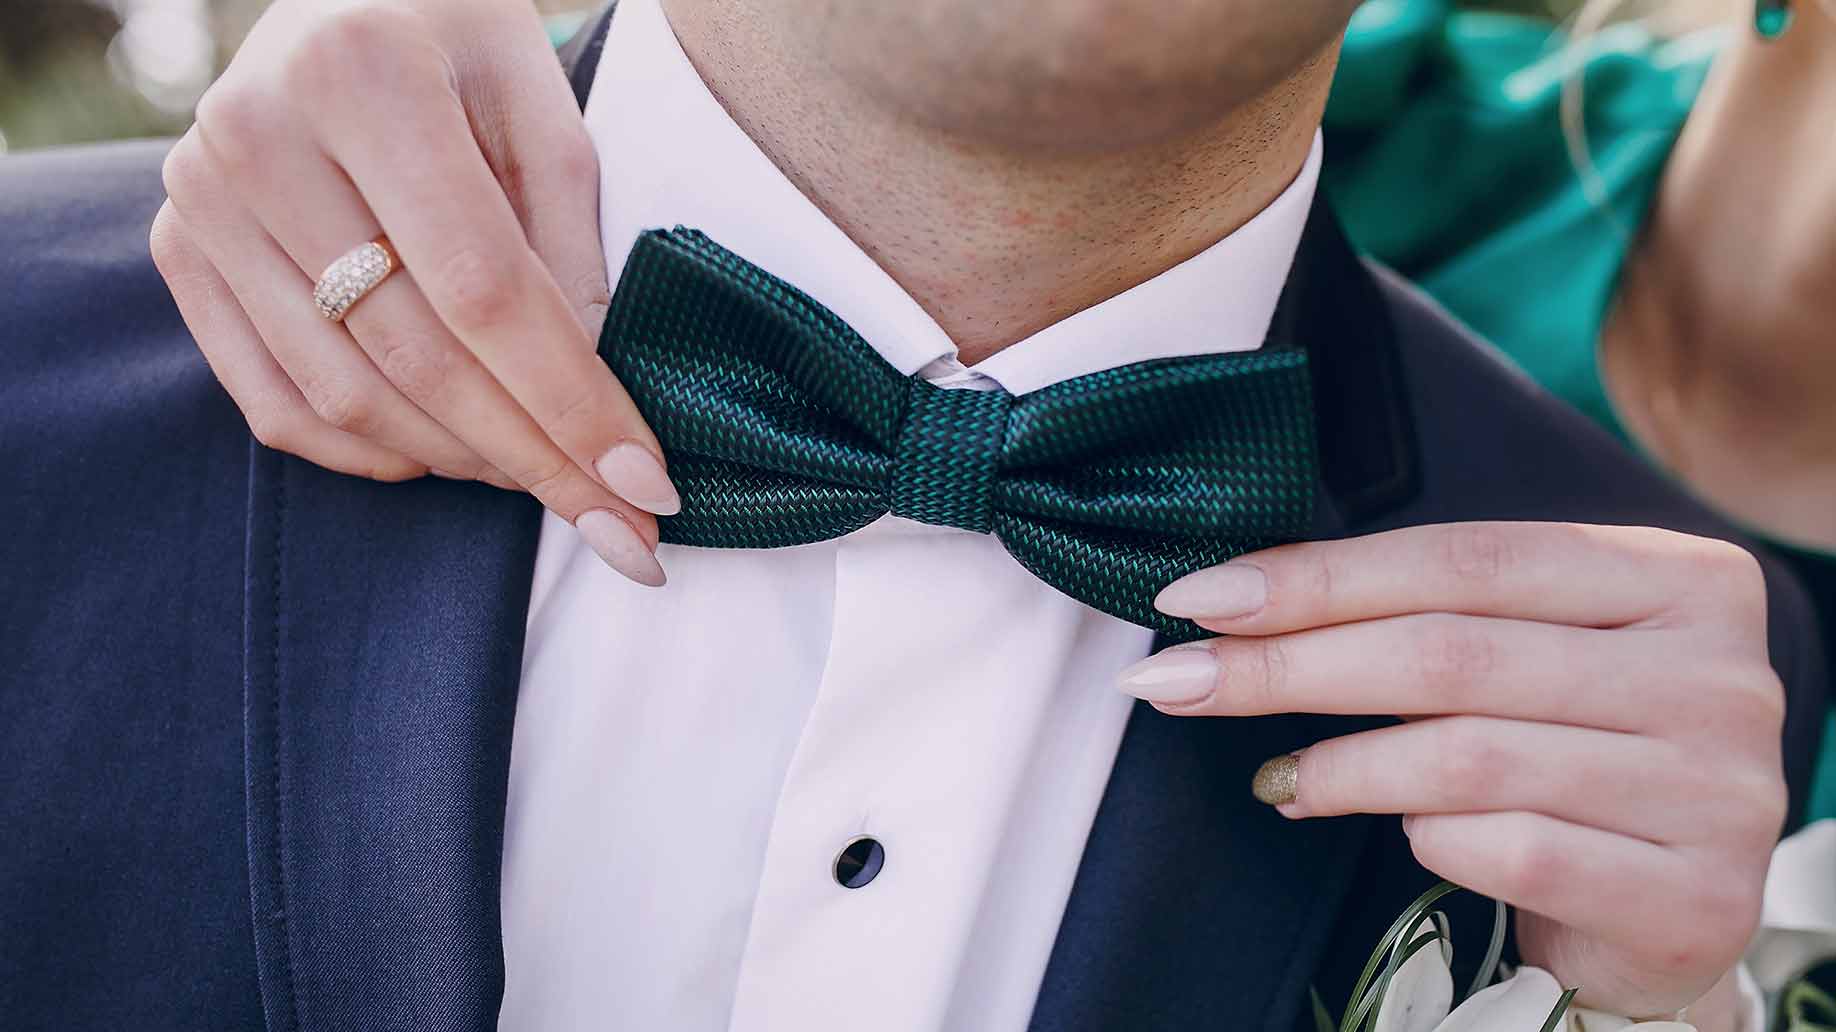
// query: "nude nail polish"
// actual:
[[1181, 675], [619, 544], [633, 473], [1220, 593]]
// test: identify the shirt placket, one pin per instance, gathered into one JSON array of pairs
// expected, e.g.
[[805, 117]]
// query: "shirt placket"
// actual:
[[917, 740]]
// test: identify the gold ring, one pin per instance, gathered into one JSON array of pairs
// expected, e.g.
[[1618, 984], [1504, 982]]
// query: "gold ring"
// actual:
[[353, 275]]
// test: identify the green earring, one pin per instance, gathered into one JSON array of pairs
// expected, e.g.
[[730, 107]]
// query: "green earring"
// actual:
[[1771, 18]]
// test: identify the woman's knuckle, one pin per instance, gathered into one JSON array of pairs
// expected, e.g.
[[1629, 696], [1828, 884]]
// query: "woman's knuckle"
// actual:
[[1451, 654], [236, 122], [174, 255], [480, 291], [591, 297], [360, 33], [580, 414], [1535, 867], [359, 46], [1265, 672], [346, 408], [1477, 553], [1730, 572], [1427, 843], [1757, 802], [1306, 576], [184, 171], [546, 479], [274, 427], [1761, 694], [1740, 701], [414, 360], [394, 471], [1725, 910], [1316, 785], [573, 162], [1461, 754]]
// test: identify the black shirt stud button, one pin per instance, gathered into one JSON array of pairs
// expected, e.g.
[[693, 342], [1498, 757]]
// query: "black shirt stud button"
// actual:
[[859, 862]]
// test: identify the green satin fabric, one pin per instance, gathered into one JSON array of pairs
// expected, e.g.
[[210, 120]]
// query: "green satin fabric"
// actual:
[[1446, 159], [784, 427]]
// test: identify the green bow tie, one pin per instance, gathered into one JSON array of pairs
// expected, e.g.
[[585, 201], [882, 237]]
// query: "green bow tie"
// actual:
[[782, 427]]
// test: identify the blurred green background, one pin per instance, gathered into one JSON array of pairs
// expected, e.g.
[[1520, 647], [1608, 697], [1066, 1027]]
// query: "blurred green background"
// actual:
[[78, 70]]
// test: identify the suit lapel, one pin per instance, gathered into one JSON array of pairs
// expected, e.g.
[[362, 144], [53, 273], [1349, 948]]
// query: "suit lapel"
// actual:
[[383, 639], [580, 55], [1195, 903], [1196, 906]]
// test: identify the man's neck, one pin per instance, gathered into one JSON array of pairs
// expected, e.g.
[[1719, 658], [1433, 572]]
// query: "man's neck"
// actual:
[[996, 243]]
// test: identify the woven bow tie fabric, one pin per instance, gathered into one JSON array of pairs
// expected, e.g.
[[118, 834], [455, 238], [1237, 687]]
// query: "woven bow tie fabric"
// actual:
[[782, 427]]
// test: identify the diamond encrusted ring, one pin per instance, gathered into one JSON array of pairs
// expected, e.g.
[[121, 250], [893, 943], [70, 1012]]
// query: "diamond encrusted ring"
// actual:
[[355, 273]]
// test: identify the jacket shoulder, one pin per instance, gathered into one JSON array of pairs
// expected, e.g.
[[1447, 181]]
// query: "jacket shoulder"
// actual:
[[108, 412], [94, 358], [121, 620]]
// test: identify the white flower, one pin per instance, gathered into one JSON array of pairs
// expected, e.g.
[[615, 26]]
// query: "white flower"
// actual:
[[1422, 990], [1798, 924]]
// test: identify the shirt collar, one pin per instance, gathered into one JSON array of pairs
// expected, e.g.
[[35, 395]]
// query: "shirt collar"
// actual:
[[669, 155]]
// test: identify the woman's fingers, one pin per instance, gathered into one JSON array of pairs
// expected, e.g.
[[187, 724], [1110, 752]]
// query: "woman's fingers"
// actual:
[[1616, 889], [1422, 665], [1568, 873], [279, 416], [347, 388], [406, 341], [447, 215], [393, 324], [1588, 576], [1602, 779], [541, 154], [332, 373]]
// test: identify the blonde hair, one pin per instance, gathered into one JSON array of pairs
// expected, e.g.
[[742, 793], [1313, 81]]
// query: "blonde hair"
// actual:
[[1666, 18]]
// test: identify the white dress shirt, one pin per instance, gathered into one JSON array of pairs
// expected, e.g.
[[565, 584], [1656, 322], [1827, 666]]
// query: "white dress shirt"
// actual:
[[689, 761]]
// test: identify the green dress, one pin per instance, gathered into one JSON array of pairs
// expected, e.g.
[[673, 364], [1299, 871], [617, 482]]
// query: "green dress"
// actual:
[[1508, 235]]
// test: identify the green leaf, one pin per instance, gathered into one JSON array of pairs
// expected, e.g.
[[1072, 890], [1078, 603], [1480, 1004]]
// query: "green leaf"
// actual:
[[1488, 968], [1387, 946], [1373, 1000], [1806, 1008], [1561, 1008], [1322, 1018]]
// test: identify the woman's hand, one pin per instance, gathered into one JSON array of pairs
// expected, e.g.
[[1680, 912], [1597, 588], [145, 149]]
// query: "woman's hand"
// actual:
[[1591, 726], [447, 125]]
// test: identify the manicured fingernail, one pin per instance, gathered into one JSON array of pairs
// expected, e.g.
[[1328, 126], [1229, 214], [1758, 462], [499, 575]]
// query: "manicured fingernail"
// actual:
[[444, 475], [1275, 781], [1181, 675], [635, 475], [618, 543], [1219, 593]]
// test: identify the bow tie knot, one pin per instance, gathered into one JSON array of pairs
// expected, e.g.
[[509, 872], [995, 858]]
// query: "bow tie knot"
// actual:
[[783, 427], [946, 463]]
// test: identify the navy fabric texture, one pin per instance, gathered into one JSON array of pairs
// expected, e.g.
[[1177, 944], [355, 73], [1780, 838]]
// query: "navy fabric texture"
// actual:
[[123, 473], [258, 715]]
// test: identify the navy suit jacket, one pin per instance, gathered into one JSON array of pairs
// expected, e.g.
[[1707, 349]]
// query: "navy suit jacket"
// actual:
[[257, 716]]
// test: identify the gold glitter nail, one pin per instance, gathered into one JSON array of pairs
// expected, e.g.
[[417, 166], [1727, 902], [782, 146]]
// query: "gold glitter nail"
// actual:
[[1275, 780]]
